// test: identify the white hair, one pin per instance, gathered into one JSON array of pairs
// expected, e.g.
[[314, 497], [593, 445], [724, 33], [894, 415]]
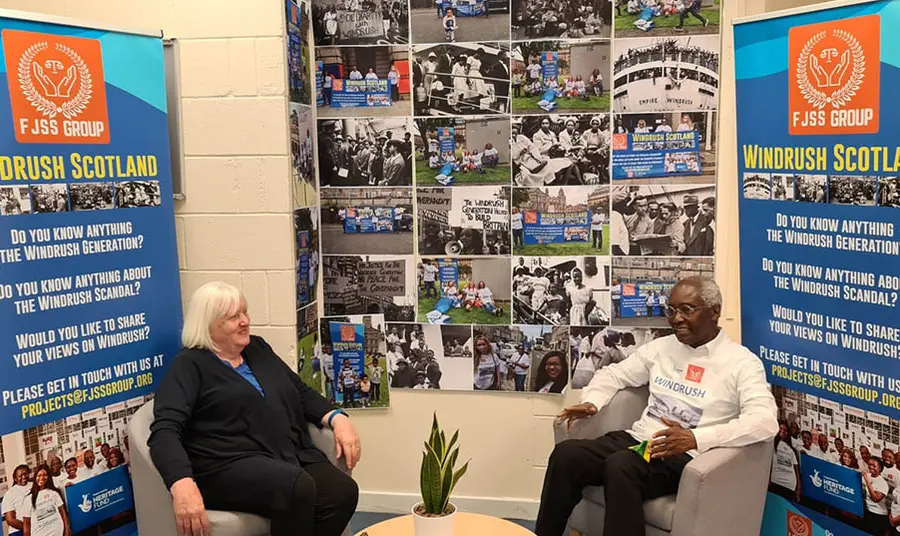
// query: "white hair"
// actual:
[[208, 304], [708, 289]]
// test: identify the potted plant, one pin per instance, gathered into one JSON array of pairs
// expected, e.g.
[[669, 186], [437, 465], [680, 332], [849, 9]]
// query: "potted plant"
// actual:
[[434, 516]]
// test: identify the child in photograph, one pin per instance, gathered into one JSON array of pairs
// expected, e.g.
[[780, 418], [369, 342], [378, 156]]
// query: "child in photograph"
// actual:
[[365, 387], [450, 25], [42, 511]]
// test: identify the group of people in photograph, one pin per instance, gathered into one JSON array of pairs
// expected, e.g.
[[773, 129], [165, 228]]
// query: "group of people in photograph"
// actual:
[[370, 160], [458, 80], [844, 190], [469, 296], [412, 364], [650, 9], [35, 503], [879, 475], [394, 20], [567, 19], [91, 196], [668, 50], [645, 225], [560, 152], [472, 160], [499, 365], [134, 194], [555, 295], [14, 201]]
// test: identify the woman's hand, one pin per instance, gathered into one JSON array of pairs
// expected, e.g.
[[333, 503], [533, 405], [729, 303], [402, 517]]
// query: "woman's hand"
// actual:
[[190, 513], [346, 440]]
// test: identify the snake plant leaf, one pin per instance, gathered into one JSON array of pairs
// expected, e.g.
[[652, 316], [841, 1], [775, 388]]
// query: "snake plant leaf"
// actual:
[[456, 476], [434, 480], [427, 500]]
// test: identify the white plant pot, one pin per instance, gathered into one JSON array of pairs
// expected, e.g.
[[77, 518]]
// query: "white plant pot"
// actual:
[[434, 526]]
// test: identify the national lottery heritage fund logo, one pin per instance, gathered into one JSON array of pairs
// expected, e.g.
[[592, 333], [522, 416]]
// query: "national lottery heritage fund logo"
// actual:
[[798, 525], [56, 88], [834, 72]]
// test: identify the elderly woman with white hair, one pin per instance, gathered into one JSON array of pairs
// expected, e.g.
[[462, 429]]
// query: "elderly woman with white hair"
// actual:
[[230, 429]]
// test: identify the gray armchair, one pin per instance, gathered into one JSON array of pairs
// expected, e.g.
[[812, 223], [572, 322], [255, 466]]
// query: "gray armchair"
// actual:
[[705, 502], [153, 504]]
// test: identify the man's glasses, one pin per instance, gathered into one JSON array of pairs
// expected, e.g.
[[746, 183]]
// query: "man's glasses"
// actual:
[[685, 309]]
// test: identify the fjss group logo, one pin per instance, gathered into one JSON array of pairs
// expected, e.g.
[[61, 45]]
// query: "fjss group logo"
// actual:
[[56, 88], [834, 70], [798, 525]]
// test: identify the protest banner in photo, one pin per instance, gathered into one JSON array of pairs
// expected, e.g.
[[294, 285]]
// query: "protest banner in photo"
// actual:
[[658, 154], [819, 268], [89, 291]]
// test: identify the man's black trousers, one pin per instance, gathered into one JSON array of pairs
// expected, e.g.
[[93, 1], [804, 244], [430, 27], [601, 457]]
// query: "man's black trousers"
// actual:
[[628, 481]]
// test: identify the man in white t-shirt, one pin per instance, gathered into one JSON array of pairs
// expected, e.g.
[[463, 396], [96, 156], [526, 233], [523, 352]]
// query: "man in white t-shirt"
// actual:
[[428, 278], [91, 468], [520, 362], [14, 497], [706, 392], [328, 369]]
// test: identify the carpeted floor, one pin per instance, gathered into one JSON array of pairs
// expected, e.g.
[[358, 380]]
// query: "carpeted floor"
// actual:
[[362, 520]]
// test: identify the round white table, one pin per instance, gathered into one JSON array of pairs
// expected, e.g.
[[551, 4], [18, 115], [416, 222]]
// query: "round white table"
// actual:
[[466, 525]]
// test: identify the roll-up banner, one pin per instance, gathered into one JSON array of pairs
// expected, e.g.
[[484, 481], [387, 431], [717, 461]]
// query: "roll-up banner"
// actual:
[[818, 164], [89, 289]]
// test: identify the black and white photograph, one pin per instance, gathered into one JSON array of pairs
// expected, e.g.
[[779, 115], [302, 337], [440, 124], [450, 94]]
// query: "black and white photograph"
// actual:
[[135, 194], [666, 74], [852, 190], [641, 287], [677, 220], [560, 150], [521, 358], [304, 186], [685, 158], [360, 22], [565, 19], [561, 76], [461, 78], [783, 187], [454, 151], [436, 21], [888, 192], [369, 81], [47, 198], [358, 384], [811, 188], [592, 348], [370, 284], [92, 196], [426, 356], [463, 221], [636, 18], [365, 152], [367, 220], [306, 231], [561, 291], [14, 200], [565, 220], [463, 291], [757, 185]]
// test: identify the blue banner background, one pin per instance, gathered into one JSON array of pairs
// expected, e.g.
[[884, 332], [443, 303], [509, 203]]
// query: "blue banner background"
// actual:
[[631, 163], [360, 93], [135, 92], [822, 481], [354, 352], [543, 232], [87, 505]]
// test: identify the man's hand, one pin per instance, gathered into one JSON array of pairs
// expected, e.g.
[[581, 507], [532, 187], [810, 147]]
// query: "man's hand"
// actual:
[[573, 413], [672, 441], [190, 513], [346, 440]]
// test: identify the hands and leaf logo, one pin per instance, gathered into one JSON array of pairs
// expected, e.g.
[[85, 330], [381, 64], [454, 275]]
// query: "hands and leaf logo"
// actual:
[[86, 503], [816, 479], [822, 74], [48, 80]]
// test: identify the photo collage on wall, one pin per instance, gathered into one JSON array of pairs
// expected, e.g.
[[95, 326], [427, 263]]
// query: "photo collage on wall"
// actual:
[[508, 189]]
